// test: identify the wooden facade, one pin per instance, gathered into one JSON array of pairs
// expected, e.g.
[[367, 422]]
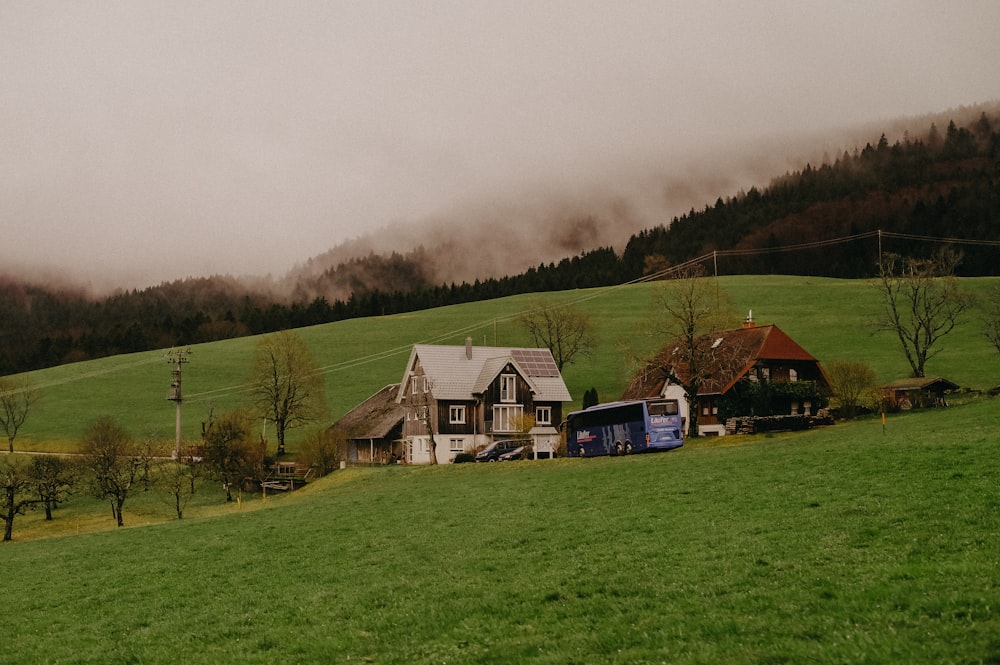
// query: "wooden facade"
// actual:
[[459, 399]]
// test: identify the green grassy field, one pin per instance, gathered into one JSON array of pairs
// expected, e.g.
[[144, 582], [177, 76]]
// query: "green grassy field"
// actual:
[[842, 545], [830, 318]]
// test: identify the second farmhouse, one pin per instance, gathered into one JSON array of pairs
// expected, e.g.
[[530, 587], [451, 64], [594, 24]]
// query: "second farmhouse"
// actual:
[[733, 363]]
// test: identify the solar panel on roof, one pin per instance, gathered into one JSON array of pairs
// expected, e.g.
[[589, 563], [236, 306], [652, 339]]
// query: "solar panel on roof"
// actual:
[[536, 362]]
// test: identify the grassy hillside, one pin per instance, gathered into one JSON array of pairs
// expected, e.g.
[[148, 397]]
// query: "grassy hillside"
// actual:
[[830, 318], [845, 544]]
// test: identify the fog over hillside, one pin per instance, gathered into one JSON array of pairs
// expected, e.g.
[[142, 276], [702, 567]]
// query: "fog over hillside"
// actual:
[[509, 231], [496, 236], [152, 141]]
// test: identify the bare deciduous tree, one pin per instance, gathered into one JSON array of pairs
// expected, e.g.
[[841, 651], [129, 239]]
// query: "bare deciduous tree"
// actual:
[[922, 302], [226, 448], [323, 450], [686, 308], [854, 385], [53, 478], [117, 463], [285, 383], [17, 487], [16, 400], [181, 479], [565, 330], [423, 410], [992, 319]]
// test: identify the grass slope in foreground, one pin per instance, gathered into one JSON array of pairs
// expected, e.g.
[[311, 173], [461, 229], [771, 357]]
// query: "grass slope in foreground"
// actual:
[[843, 545]]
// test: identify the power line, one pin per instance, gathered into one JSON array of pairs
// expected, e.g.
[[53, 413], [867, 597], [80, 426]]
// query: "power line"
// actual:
[[947, 241], [590, 294]]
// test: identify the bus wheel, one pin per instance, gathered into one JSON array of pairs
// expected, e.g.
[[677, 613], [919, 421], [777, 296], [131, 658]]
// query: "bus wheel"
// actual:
[[583, 453], [628, 448], [619, 449]]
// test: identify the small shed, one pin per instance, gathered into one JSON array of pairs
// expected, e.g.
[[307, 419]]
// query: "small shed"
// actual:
[[917, 392]]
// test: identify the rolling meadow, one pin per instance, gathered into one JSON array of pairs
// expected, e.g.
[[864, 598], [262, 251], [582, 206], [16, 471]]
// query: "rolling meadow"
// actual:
[[831, 318], [856, 543]]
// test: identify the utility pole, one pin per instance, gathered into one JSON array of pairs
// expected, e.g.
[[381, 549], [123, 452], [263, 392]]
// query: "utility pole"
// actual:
[[715, 268], [177, 357]]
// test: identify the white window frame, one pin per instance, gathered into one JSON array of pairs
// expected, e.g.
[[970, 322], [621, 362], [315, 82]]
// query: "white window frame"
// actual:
[[504, 416], [543, 415], [456, 445], [793, 375], [508, 388], [456, 414], [413, 384]]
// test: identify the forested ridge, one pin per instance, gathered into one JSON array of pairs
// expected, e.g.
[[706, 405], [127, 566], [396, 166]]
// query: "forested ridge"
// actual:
[[943, 184]]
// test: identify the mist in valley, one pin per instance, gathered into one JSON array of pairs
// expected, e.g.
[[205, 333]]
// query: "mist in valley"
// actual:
[[150, 143]]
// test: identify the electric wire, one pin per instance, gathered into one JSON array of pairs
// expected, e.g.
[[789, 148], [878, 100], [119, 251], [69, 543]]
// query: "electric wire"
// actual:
[[589, 294]]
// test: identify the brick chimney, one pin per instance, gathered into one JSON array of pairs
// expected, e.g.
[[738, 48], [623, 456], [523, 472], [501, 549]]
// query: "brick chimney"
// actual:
[[748, 322]]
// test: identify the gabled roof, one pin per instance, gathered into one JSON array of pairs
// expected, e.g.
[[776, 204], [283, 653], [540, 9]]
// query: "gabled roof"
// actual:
[[376, 417], [492, 369], [456, 376], [921, 383], [734, 353]]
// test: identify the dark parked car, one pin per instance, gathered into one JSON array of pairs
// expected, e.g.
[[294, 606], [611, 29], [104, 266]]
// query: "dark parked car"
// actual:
[[523, 452], [492, 452]]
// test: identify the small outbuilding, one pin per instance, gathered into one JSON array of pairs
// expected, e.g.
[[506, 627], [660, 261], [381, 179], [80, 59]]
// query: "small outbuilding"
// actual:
[[917, 392], [374, 428]]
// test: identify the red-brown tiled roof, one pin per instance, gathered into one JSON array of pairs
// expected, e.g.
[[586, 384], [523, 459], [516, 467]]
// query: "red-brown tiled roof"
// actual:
[[735, 353]]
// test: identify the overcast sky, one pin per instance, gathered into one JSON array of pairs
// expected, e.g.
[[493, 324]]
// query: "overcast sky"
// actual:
[[195, 137]]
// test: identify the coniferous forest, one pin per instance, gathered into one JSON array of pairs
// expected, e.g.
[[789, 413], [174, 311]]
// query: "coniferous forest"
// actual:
[[827, 220]]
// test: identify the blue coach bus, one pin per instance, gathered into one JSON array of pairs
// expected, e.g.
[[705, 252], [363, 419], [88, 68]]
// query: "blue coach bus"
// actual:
[[620, 428]]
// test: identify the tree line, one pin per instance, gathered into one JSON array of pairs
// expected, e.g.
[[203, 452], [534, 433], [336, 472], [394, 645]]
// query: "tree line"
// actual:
[[941, 184]]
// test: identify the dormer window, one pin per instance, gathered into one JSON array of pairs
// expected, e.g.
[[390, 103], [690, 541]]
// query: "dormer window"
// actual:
[[508, 387]]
